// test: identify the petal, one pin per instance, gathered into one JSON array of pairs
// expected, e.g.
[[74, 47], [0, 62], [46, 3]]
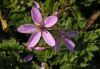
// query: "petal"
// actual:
[[27, 28], [36, 4], [28, 58], [39, 48], [43, 65], [36, 15], [71, 33], [48, 38], [33, 40], [50, 21], [57, 46], [69, 44]]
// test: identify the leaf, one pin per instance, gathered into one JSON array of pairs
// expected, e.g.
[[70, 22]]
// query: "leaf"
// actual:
[[10, 44], [48, 5], [92, 48], [76, 13], [83, 64], [55, 7], [69, 66]]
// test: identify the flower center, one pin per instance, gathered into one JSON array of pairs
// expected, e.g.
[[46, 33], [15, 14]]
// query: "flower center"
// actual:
[[40, 26]]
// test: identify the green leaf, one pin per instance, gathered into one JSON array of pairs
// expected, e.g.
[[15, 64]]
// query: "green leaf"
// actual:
[[92, 48], [69, 66], [76, 13]]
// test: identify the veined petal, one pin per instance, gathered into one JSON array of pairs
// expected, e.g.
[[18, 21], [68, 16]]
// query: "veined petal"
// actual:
[[50, 21], [43, 65], [48, 38], [71, 33], [26, 28], [36, 15], [36, 4], [33, 40], [57, 46], [69, 44], [39, 48], [28, 58]]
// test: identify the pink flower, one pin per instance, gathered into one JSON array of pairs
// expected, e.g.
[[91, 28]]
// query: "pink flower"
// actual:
[[39, 29], [70, 45]]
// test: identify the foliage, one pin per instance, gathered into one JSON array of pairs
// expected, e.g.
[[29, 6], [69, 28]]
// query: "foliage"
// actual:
[[73, 16]]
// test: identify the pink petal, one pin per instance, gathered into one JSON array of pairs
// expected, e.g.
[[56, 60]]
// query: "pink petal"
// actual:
[[36, 4], [27, 28], [48, 38], [43, 65], [33, 40], [28, 58], [69, 44], [71, 33], [57, 46], [39, 48], [36, 15], [50, 21]]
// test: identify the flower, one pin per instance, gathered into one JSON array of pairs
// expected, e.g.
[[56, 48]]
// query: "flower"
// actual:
[[70, 45], [39, 29]]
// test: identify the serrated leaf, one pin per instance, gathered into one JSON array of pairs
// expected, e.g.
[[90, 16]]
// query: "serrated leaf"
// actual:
[[92, 48], [69, 66], [76, 13]]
